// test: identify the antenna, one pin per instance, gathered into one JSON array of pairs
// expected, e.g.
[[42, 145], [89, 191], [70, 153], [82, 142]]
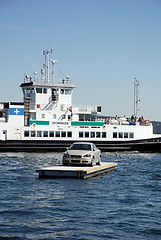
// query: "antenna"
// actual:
[[46, 65], [136, 96], [52, 72], [35, 73], [42, 73]]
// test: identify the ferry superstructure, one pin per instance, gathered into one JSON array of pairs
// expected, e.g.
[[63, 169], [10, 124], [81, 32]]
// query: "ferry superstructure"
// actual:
[[47, 120]]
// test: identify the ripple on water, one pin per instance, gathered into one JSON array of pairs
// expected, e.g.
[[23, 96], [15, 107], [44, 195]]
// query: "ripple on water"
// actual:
[[123, 204]]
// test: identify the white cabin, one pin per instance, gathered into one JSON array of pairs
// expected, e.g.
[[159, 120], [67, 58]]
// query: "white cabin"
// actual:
[[48, 100]]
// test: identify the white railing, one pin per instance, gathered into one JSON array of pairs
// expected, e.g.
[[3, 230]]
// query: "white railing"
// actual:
[[85, 109]]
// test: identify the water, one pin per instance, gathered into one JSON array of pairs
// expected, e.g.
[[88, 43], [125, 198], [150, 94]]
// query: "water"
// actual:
[[122, 204]]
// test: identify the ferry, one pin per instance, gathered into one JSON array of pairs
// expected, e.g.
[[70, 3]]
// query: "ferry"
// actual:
[[47, 120]]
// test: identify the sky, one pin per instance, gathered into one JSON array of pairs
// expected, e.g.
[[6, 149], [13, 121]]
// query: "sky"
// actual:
[[103, 45]]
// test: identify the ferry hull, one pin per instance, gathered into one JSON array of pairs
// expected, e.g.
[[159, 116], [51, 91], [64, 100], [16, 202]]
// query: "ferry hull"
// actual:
[[148, 145]]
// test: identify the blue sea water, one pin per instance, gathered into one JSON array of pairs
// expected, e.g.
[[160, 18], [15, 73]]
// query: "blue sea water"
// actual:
[[122, 204]]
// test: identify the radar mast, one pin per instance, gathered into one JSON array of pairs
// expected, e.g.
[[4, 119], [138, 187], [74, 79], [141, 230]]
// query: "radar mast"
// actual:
[[136, 97], [46, 64]]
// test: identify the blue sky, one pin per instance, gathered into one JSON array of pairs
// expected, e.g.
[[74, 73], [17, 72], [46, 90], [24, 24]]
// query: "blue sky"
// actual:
[[101, 44]]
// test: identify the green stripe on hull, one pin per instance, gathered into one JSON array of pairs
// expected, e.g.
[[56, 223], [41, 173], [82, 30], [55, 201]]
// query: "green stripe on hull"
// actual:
[[39, 122], [90, 123]]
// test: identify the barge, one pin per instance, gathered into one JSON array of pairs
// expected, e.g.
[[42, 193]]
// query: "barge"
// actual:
[[76, 172]]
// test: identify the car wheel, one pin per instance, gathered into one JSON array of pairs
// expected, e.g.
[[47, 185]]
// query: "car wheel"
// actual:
[[92, 162], [99, 161]]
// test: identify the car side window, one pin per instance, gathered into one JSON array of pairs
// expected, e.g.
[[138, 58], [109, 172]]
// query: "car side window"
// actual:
[[94, 147]]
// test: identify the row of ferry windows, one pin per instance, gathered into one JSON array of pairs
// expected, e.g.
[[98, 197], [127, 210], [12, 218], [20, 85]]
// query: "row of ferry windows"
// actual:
[[123, 135], [63, 134], [47, 134], [44, 90], [103, 134], [81, 134]]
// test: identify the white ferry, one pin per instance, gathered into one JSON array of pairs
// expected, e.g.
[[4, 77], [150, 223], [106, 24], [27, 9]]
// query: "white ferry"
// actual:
[[47, 120]]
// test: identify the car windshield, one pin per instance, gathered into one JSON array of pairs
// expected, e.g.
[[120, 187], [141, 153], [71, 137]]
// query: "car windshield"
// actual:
[[81, 147]]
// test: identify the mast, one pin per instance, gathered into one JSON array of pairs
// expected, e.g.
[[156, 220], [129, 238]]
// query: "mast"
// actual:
[[46, 65], [136, 97]]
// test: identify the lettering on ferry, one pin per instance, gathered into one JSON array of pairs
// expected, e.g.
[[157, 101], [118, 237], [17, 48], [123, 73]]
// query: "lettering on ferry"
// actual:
[[62, 123]]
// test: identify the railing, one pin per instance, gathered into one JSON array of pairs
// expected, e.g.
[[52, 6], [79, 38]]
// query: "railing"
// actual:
[[84, 109], [120, 121]]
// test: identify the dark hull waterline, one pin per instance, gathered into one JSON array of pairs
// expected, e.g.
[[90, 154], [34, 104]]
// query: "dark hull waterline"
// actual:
[[148, 145]]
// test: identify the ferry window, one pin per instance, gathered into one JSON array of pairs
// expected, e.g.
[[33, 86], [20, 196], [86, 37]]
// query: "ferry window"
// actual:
[[57, 134], [81, 117], [32, 115], [92, 134], [32, 90], [39, 133], [131, 135], [54, 116], [63, 134], [103, 134], [33, 134], [98, 135], [39, 90], [67, 91], [69, 134], [45, 90], [125, 135], [62, 91], [120, 135], [45, 133], [86, 134], [54, 94], [28, 90], [26, 133], [51, 134], [114, 134], [81, 134], [42, 115]]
